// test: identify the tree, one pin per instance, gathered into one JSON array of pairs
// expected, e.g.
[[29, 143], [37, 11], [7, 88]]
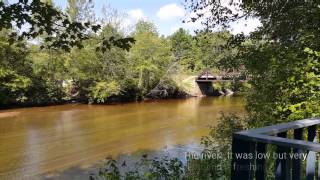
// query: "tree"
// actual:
[[81, 10], [73, 9], [14, 71], [32, 75], [145, 27], [114, 17], [97, 75], [204, 50], [183, 48], [49, 76], [43, 19], [150, 56], [211, 47]]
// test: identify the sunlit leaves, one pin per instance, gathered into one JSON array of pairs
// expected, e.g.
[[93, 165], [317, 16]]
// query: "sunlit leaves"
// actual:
[[102, 90], [36, 18], [124, 43]]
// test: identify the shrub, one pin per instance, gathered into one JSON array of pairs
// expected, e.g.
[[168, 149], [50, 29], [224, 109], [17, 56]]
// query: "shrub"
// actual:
[[103, 90]]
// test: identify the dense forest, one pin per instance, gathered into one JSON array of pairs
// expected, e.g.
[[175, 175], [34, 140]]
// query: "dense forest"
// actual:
[[32, 74]]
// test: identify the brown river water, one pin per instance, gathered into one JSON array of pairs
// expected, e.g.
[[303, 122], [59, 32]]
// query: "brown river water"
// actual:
[[50, 142]]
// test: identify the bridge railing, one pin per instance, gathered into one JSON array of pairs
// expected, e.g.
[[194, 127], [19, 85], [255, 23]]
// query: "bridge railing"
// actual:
[[294, 141]]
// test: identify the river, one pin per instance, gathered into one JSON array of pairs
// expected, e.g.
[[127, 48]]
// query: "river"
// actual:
[[47, 142]]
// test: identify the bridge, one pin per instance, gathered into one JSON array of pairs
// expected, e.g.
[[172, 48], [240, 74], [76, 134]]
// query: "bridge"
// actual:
[[206, 76], [206, 79]]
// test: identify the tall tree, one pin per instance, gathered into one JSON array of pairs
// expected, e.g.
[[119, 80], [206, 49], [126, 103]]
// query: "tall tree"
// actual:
[[73, 9], [150, 56], [183, 45], [15, 69], [81, 10]]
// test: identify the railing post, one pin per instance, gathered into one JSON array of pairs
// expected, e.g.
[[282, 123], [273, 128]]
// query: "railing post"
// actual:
[[282, 162], [296, 163], [261, 163], [311, 158], [242, 166]]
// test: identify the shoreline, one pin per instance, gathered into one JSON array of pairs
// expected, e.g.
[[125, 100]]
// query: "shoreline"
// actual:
[[109, 103], [120, 102]]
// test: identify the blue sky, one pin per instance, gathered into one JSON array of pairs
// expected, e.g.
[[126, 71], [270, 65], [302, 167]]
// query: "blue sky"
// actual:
[[167, 15]]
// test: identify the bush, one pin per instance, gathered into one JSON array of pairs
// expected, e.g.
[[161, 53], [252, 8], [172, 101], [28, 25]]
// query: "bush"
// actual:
[[145, 169], [217, 86], [103, 90], [218, 142]]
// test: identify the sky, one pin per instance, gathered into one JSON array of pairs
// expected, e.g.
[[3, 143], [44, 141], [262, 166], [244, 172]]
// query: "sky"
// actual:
[[167, 15]]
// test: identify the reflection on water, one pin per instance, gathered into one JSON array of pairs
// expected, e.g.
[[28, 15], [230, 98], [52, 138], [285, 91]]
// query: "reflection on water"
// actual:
[[36, 141]]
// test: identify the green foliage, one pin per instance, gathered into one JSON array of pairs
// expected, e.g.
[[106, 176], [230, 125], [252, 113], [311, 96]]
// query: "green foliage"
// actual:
[[184, 49], [13, 84], [217, 143], [145, 169], [149, 57], [211, 46], [103, 90], [145, 27], [224, 86], [283, 63], [217, 86], [104, 68], [204, 50], [282, 90], [32, 75], [223, 131], [80, 10], [241, 88], [45, 20], [14, 70]]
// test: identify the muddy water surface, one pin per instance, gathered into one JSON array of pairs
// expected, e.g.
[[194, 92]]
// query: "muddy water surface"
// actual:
[[44, 140]]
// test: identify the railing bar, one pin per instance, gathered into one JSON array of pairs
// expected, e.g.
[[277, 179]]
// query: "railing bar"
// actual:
[[311, 158], [300, 144], [261, 163], [296, 163], [284, 127]]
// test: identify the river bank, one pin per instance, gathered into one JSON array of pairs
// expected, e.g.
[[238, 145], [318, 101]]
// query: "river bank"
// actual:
[[118, 100], [179, 86], [111, 101]]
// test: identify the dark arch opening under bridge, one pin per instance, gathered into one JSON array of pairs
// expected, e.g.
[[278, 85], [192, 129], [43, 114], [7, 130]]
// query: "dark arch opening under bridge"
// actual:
[[206, 80]]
